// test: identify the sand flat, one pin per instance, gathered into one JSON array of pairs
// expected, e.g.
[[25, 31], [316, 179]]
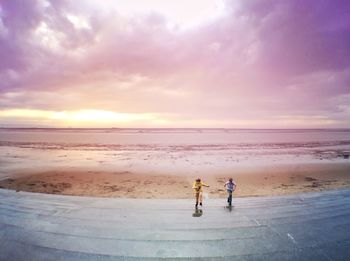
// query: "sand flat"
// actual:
[[260, 181]]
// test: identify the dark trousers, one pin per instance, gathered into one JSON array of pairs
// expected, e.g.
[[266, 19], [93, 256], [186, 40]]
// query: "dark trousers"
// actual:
[[229, 198]]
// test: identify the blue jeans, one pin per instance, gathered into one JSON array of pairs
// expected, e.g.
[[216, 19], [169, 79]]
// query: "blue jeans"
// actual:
[[229, 199]]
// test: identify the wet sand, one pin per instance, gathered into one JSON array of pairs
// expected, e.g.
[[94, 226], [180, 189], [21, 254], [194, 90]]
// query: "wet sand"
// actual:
[[262, 181]]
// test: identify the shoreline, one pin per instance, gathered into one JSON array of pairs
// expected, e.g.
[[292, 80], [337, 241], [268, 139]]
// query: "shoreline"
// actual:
[[259, 181]]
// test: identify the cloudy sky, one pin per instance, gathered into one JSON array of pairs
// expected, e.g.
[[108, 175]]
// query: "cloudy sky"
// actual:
[[163, 63]]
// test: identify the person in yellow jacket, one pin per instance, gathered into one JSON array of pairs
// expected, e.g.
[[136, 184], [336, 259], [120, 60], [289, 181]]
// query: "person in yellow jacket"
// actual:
[[197, 186]]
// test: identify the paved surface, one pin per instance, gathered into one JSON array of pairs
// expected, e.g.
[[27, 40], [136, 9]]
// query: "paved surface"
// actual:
[[313, 226]]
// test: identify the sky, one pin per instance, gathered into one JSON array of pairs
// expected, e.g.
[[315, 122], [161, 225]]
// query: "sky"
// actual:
[[175, 63]]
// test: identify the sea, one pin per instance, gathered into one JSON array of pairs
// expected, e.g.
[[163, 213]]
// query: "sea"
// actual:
[[163, 150]]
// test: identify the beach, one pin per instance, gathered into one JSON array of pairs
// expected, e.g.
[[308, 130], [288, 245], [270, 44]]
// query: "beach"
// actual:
[[273, 180], [160, 163]]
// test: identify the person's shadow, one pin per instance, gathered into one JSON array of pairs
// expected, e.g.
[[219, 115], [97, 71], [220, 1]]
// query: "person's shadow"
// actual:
[[197, 212]]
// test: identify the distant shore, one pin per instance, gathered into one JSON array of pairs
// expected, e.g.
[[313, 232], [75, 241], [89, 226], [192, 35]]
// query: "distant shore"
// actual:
[[271, 180]]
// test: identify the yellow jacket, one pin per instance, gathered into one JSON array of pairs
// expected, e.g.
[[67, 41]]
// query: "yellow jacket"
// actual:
[[197, 186]]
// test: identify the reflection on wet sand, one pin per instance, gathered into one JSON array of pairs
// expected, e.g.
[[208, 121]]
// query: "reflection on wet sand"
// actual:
[[229, 208], [197, 212]]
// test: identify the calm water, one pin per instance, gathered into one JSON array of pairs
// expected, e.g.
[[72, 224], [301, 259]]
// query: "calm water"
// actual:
[[173, 136]]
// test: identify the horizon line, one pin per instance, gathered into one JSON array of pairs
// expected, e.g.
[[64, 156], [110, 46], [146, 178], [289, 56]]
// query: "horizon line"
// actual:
[[171, 128]]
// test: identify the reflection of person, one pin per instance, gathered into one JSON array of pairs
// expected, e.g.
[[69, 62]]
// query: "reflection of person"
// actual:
[[197, 213], [230, 186], [197, 186]]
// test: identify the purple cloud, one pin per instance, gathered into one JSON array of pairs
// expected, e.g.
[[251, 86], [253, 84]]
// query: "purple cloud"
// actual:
[[259, 59]]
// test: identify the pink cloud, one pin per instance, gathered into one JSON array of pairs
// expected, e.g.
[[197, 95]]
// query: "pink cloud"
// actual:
[[258, 60]]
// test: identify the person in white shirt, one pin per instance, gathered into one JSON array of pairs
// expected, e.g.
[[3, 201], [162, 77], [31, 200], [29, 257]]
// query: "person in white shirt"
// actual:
[[230, 186]]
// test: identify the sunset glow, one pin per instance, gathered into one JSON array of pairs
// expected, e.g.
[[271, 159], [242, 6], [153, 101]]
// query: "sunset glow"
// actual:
[[79, 118], [200, 63]]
